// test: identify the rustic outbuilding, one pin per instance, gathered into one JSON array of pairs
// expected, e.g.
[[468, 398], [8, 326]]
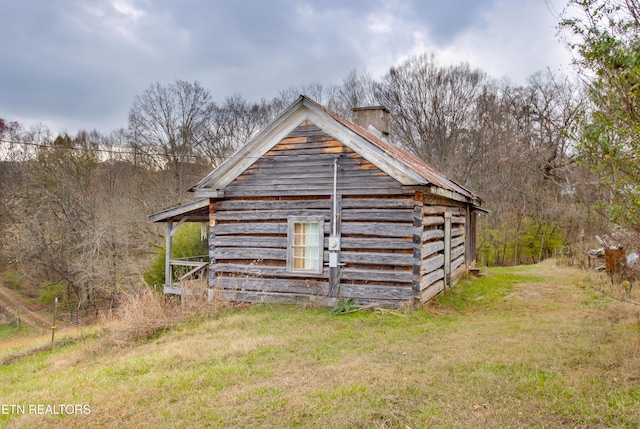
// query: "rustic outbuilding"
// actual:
[[317, 208]]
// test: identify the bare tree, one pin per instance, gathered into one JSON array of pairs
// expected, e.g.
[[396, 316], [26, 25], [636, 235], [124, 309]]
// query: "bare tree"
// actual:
[[233, 124], [356, 91], [58, 207], [432, 108], [171, 122], [528, 172]]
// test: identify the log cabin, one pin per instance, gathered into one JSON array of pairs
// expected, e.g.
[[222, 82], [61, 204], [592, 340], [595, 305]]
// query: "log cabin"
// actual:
[[317, 208]]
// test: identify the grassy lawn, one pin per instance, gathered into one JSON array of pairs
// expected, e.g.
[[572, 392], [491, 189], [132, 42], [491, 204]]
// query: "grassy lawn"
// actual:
[[7, 330], [527, 346], [10, 331]]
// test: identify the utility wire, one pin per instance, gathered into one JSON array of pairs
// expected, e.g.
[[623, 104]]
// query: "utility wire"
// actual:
[[110, 151]]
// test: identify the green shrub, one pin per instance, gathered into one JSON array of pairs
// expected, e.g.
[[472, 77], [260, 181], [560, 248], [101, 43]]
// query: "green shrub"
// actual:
[[344, 306], [50, 290], [12, 279], [186, 242], [526, 240]]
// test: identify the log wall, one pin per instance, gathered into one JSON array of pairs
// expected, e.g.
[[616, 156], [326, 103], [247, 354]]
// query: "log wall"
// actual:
[[249, 246], [248, 242], [377, 249], [435, 274]]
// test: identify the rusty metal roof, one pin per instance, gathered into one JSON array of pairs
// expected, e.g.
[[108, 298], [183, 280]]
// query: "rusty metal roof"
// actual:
[[430, 174]]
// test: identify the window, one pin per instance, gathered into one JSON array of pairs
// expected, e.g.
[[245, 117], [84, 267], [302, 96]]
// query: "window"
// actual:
[[305, 244]]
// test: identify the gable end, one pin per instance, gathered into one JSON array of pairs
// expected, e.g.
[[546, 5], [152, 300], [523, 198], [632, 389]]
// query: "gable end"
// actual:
[[302, 163]]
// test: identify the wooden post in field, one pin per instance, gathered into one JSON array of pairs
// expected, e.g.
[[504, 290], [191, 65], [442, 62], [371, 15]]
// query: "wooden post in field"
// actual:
[[53, 325]]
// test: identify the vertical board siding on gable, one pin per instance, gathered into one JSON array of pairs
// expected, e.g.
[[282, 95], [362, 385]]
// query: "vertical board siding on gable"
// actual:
[[302, 164]]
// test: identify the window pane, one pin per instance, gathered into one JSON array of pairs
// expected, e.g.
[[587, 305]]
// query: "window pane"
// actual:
[[298, 257], [298, 234], [311, 263], [312, 234], [306, 246]]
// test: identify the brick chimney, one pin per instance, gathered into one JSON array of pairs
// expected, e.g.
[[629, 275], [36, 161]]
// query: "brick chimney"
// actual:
[[374, 119]]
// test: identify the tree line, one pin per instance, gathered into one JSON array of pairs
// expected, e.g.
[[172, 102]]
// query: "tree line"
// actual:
[[75, 207]]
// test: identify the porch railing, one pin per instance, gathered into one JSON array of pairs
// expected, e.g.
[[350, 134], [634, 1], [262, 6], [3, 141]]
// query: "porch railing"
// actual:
[[192, 275]]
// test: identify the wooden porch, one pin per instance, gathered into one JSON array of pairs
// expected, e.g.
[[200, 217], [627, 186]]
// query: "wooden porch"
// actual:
[[185, 276]]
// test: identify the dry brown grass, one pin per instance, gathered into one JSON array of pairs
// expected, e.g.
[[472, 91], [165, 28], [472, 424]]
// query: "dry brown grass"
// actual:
[[146, 313], [140, 316]]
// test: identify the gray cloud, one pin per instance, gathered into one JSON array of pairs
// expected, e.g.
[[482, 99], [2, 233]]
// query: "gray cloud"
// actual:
[[78, 64]]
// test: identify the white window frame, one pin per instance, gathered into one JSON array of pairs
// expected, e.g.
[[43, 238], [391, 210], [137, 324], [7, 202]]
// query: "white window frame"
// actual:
[[291, 222]]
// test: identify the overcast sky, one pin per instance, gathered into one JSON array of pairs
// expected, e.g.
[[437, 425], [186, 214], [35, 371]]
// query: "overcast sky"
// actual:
[[72, 64]]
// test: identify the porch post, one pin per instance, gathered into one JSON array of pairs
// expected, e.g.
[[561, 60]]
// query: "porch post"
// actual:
[[168, 275]]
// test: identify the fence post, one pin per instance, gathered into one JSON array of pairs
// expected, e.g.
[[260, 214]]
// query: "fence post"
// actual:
[[53, 325]]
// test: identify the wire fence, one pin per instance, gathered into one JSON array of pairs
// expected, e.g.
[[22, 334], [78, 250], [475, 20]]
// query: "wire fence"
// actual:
[[70, 314]]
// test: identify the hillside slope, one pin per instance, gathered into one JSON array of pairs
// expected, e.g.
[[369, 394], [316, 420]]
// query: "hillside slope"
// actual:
[[11, 303], [531, 346]]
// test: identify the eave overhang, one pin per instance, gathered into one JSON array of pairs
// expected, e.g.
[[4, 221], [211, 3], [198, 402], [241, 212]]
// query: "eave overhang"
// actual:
[[195, 211]]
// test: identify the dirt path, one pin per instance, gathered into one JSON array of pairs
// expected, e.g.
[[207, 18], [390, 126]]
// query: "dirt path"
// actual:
[[10, 303], [569, 293]]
